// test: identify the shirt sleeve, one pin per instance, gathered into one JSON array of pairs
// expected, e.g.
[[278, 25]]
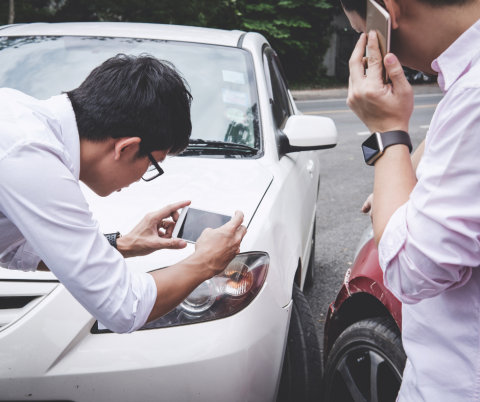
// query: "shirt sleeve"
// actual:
[[431, 243], [39, 194]]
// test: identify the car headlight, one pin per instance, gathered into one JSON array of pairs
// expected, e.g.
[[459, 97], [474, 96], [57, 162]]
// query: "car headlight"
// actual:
[[219, 297]]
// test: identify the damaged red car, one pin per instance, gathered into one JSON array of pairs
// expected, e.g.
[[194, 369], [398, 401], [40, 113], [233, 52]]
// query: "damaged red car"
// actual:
[[363, 353]]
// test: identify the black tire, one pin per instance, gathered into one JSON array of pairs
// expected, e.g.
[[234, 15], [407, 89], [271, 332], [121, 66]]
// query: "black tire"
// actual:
[[368, 347], [302, 367], [310, 275]]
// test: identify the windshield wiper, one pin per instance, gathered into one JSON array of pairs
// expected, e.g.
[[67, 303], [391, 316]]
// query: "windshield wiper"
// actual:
[[198, 145]]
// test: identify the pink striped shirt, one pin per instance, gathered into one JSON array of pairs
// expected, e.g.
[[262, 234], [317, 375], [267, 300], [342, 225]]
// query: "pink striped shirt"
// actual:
[[430, 250]]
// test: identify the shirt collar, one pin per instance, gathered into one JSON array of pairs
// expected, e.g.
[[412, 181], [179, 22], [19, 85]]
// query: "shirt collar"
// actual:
[[455, 61], [62, 108]]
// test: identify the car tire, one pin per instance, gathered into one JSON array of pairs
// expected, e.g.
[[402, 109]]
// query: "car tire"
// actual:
[[302, 366], [310, 275], [366, 363]]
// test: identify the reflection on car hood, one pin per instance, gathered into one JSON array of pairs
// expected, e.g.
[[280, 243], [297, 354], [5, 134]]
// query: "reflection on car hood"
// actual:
[[217, 185]]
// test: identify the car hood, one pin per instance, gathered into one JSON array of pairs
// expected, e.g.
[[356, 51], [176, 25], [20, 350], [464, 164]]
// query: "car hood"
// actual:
[[217, 185]]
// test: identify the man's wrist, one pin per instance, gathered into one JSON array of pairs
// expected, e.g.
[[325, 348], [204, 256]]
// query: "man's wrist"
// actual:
[[124, 246], [393, 154], [202, 265]]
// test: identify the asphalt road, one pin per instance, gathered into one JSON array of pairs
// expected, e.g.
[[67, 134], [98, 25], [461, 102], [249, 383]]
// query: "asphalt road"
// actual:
[[346, 182]]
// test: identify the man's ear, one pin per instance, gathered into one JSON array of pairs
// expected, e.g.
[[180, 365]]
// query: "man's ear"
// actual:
[[126, 146], [393, 9]]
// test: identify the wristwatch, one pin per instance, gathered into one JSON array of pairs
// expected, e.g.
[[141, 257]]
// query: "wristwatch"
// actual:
[[375, 145], [112, 238]]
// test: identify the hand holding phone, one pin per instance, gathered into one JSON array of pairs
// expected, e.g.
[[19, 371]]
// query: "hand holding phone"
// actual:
[[382, 107], [220, 246], [193, 221]]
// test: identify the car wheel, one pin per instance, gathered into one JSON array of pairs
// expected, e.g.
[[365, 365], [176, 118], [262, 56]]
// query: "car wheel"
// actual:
[[302, 366], [310, 275], [366, 363]]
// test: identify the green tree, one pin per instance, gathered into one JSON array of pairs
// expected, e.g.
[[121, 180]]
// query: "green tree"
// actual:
[[298, 30]]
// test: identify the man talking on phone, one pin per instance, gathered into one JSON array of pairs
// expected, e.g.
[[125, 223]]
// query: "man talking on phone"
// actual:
[[115, 128], [426, 219]]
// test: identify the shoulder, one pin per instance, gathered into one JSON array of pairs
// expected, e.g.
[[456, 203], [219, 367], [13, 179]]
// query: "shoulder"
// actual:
[[25, 120]]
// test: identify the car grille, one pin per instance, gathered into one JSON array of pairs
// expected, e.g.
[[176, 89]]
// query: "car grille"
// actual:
[[18, 298]]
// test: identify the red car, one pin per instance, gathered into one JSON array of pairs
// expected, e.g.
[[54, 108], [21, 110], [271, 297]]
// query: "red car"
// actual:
[[363, 353]]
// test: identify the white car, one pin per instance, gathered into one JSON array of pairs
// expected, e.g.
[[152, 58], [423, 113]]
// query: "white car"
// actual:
[[251, 150]]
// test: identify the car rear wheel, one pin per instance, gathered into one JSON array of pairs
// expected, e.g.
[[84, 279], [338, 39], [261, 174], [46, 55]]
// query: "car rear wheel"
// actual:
[[366, 363], [302, 366]]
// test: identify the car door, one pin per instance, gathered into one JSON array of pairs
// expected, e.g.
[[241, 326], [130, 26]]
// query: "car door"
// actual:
[[299, 190]]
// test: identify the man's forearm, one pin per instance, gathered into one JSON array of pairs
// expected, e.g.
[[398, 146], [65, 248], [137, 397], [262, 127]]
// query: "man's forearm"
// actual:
[[394, 182], [175, 283]]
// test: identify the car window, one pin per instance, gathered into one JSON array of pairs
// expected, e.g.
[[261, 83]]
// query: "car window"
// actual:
[[277, 87], [225, 103]]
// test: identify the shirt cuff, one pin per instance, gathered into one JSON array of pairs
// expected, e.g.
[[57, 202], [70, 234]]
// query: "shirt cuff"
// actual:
[[145, 289], [393, 238]]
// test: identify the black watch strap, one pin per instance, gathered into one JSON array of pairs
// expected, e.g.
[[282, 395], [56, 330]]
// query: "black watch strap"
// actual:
[[112, 238], [396, 137]]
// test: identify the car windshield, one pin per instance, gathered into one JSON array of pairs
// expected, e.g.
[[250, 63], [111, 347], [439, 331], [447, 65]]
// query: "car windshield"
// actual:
[[221, 79]]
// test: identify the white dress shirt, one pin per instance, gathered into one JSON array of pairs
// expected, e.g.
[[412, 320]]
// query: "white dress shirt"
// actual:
[[44, 215], [430, 250]]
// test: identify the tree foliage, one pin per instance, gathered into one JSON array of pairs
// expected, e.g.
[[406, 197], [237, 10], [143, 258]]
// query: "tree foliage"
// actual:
[[298, 30]]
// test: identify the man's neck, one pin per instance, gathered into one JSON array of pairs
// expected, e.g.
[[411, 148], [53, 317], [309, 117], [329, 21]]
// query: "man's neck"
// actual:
[[432, 30]]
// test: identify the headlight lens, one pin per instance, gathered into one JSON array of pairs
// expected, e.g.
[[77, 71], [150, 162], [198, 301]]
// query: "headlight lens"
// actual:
[[223, 295]]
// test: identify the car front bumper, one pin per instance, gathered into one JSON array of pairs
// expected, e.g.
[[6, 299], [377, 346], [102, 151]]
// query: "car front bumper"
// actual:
[[50, 354]]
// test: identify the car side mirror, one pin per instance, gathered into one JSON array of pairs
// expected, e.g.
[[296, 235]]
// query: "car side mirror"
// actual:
[[308, 133]]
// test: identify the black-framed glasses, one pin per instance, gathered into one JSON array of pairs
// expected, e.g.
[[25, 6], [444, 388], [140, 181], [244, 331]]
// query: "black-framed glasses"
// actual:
[[154, 170]]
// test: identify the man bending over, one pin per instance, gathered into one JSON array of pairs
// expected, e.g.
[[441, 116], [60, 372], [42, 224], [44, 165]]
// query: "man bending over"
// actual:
[[123, 120]]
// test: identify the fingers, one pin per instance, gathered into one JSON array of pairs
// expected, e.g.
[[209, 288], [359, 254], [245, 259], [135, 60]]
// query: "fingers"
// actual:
[[375, 60], [175, 215], [168, 227], [172, 244], [240, 233], [357, 71], [236, 221], [395, 73], [169, 210], [365, 62], [367, 206]]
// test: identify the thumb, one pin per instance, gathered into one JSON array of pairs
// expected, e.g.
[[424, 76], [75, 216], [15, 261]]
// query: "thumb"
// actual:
[[171, 243], [395, 71]]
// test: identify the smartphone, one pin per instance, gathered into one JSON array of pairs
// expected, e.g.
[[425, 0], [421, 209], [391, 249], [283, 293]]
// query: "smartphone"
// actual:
[[192, 222], [378, 19]]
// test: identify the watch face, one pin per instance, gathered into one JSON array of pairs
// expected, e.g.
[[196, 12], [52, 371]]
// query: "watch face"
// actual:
[[371, 148]]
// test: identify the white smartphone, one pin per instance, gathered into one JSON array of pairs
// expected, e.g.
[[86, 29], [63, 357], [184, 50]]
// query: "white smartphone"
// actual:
[[192, 222], [378, 19]]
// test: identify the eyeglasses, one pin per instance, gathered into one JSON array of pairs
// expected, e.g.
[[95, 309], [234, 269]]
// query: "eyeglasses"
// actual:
[[154, 170]]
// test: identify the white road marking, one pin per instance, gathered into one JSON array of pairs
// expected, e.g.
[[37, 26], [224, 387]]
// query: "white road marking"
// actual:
[[363, 133], [426, 126]]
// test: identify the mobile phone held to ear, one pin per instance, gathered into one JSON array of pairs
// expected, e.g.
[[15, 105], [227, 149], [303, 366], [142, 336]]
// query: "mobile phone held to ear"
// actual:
[[192, 222], [378, 19]]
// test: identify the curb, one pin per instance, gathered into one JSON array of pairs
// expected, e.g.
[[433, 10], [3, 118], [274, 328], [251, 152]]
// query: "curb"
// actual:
[[340, 93]]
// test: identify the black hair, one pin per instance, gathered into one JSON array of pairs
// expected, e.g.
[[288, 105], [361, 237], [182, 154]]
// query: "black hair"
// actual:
[[360, 6], [135, 96]]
